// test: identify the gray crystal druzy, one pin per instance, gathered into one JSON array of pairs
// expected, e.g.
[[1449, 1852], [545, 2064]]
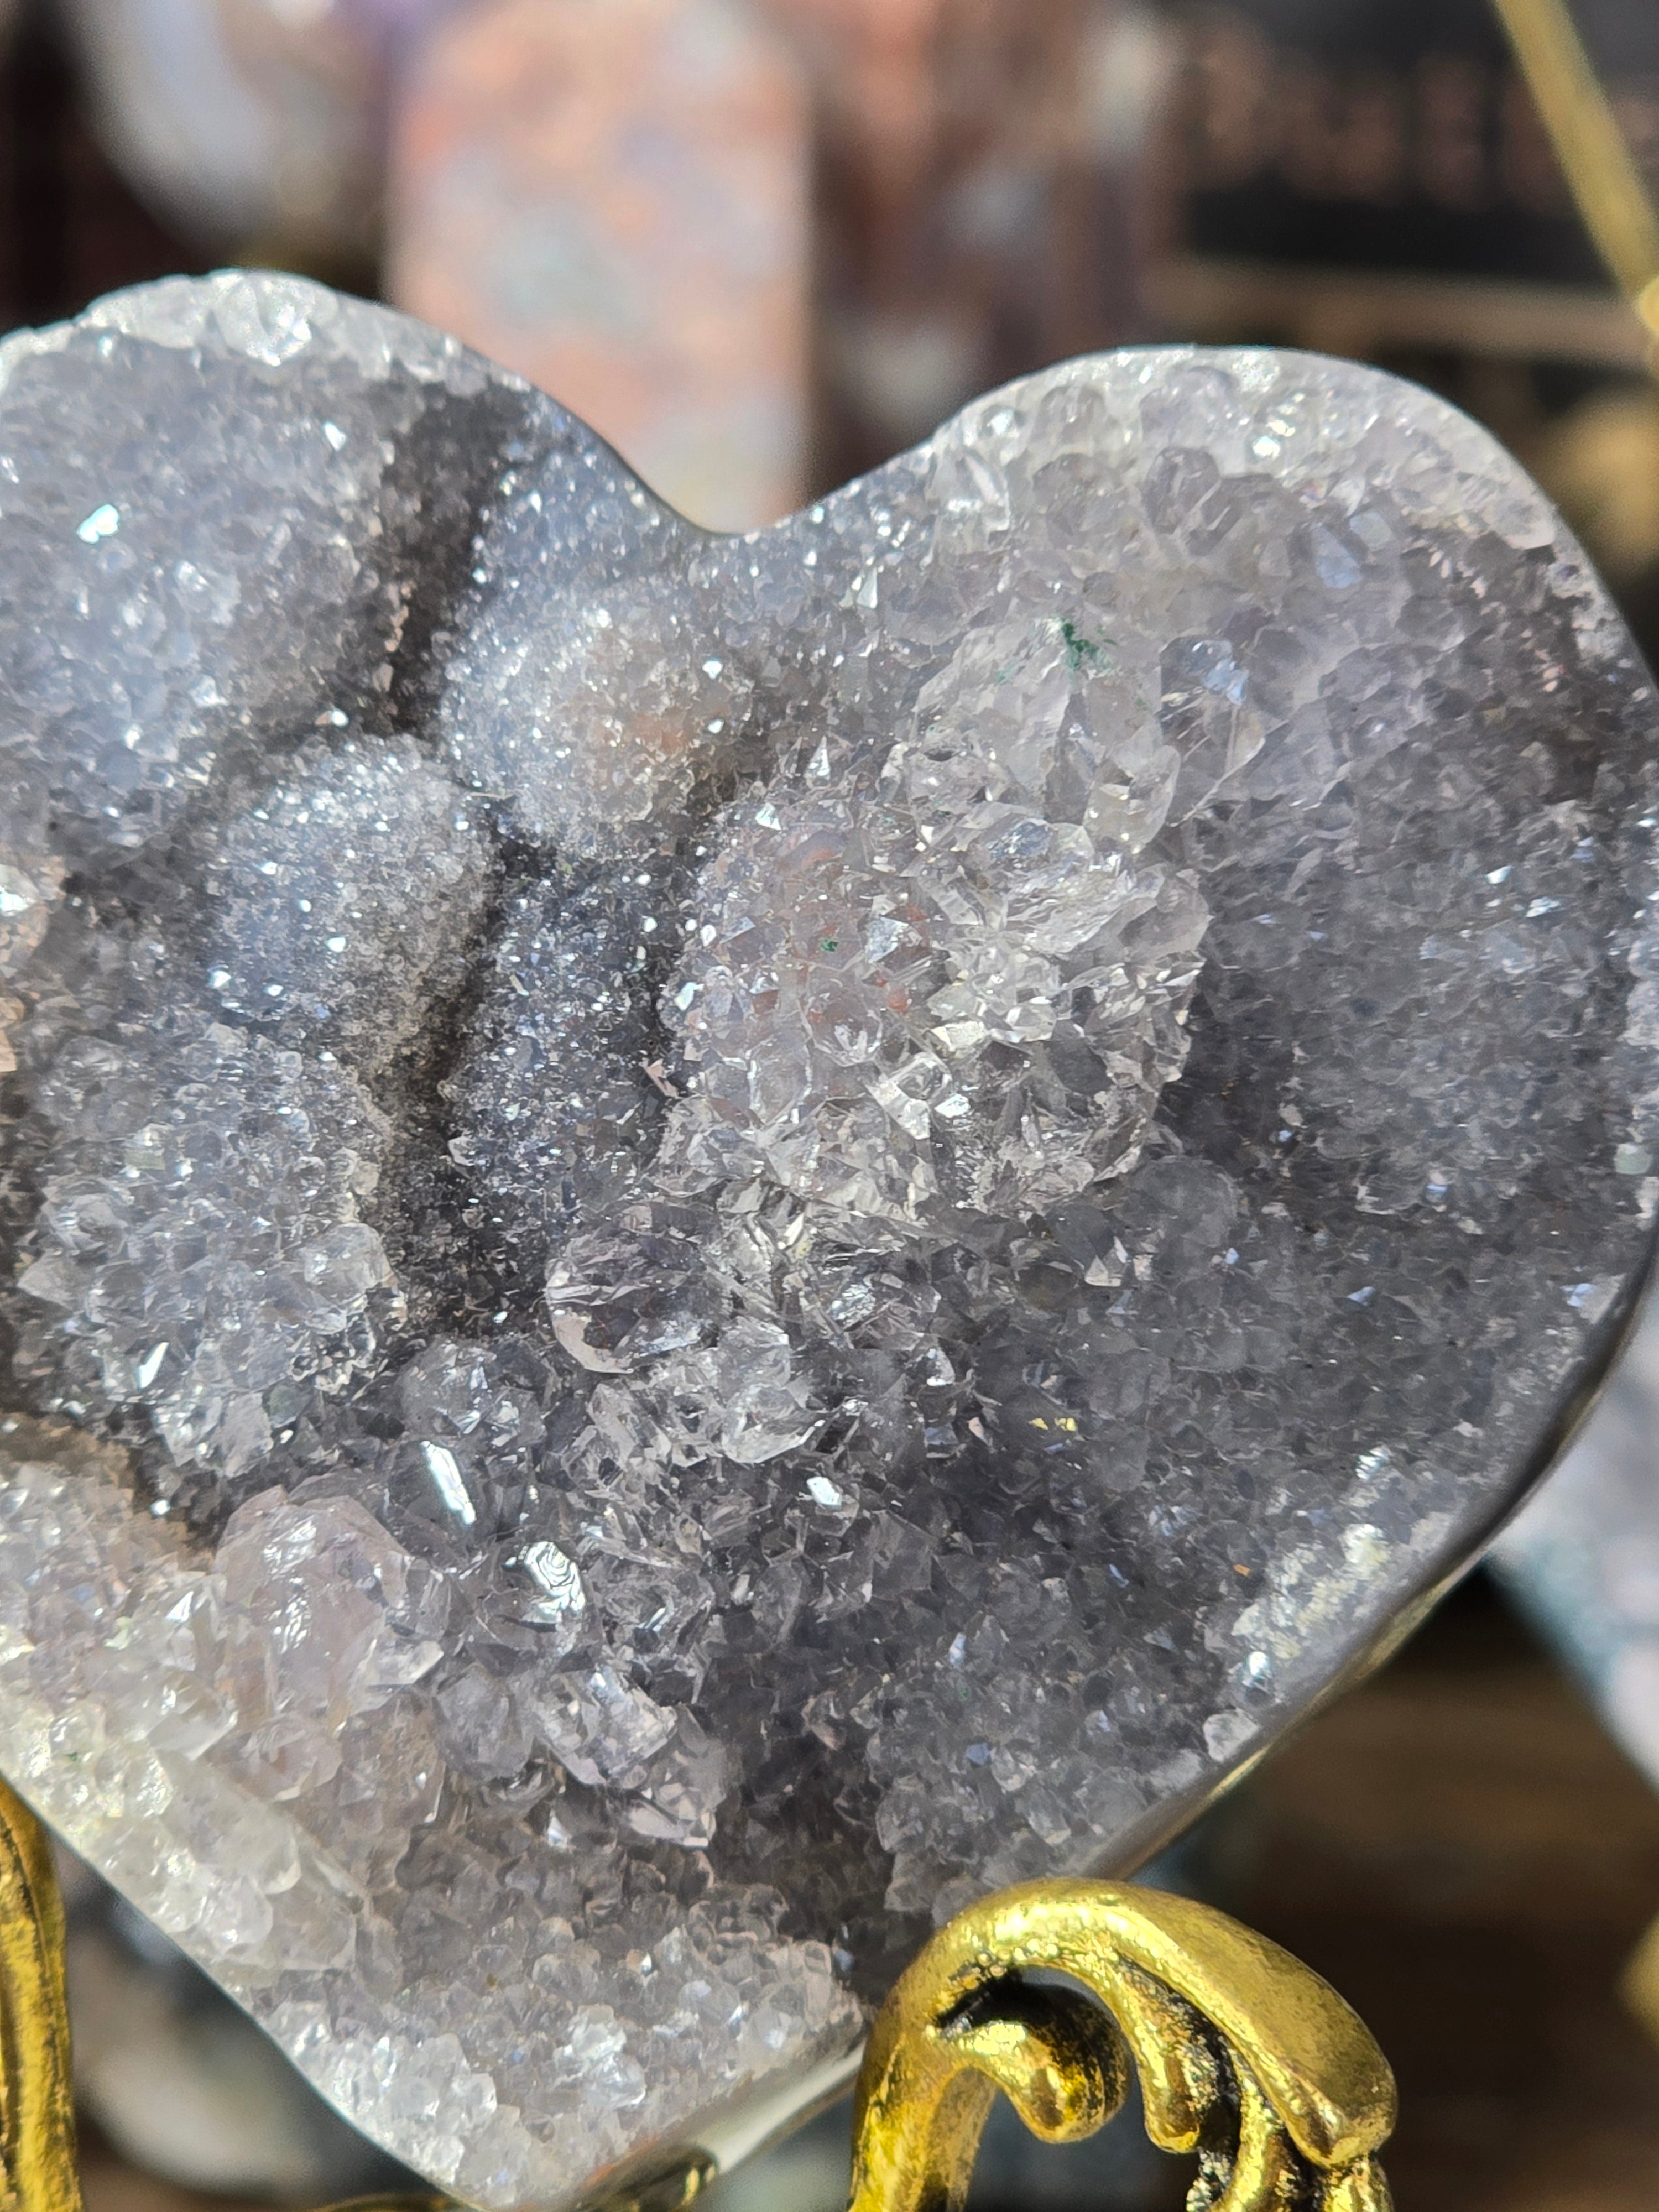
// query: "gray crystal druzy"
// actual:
[[712, 1240]]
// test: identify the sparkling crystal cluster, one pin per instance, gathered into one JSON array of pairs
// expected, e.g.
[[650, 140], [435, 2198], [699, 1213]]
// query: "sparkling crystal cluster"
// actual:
[[712, 1240]]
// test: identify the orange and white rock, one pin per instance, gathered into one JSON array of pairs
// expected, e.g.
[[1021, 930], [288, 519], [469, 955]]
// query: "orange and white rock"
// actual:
[[611, 196]]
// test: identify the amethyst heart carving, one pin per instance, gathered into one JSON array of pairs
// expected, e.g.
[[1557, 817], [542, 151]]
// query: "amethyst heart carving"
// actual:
[[710, 1241]]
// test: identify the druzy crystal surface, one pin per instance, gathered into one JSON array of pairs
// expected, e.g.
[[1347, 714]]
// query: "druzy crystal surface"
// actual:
[[710, 1241]]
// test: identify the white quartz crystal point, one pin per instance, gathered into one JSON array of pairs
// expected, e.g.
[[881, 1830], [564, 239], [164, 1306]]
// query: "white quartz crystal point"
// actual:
[[710, 1241]]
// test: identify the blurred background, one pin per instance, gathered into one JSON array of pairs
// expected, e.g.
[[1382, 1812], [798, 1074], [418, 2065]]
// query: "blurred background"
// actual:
[[762, 244]]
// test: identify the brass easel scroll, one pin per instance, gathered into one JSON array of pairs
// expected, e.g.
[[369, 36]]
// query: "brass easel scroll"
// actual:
[[1245, 2056]]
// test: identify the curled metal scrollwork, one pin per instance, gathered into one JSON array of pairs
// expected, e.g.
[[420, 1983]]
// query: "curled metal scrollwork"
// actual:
[[1245, 2056]]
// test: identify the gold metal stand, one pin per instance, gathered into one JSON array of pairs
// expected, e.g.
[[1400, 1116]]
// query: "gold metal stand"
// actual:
[[1245, 2056], [37, 2100], [1047, 1992]]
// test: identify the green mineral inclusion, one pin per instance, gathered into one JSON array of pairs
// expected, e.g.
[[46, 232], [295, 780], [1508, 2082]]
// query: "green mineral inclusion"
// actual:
[[1079, 648]]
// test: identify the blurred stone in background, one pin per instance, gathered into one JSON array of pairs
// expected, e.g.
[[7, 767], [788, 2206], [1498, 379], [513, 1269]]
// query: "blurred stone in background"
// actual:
[[979, 203], [613, 199], [252, 126], [611, 196], [71, 226]]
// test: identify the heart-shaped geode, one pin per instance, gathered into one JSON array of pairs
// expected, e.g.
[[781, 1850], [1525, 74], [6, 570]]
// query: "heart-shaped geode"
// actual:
[[717, 1239]]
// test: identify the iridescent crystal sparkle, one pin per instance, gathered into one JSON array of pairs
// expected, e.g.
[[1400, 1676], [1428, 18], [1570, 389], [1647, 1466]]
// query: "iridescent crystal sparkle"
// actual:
[[713, 1240]]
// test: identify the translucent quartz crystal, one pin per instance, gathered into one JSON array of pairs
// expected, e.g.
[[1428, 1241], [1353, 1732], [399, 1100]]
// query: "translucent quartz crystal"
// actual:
[[710, 1241]]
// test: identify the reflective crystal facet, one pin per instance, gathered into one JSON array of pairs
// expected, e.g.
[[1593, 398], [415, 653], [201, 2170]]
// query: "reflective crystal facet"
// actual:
[[711, 1241]]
